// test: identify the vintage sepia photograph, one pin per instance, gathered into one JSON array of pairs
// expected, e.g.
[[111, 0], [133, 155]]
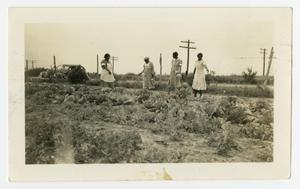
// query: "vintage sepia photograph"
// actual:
[[155, 85]]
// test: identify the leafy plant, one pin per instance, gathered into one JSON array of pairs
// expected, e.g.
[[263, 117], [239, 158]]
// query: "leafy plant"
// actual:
[[237, 115], [143, 96], [77, 74], [105, 146], [223, 140], [249, 76], [41, 140], [154, 154]]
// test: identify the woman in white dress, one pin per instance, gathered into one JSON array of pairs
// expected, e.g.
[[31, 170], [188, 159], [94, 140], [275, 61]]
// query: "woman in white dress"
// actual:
[[106, 73], [175, 75], [199, 83], [148, 74]]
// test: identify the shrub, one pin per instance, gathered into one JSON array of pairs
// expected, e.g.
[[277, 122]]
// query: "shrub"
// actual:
[[223, 140], [40, 140], [105, 146], [265, 154], [266, 117], [258, 131], [225, 146], [183, 93], [136, 84], [175, 134], [247, 91], [237, 115], [143, 96], [128, 76], [201, 124], [249, 76], [155, 154], [261, 105], [155, 105], [77, 74]]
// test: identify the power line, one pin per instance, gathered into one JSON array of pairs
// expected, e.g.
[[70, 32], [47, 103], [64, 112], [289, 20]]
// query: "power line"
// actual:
[[188, 47], [263, 51], [247, 57]]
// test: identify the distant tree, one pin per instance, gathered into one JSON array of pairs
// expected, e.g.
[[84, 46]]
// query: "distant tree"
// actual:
[[249, 76]]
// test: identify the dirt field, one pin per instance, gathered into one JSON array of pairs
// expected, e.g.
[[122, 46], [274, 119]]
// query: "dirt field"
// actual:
[[91, 124]]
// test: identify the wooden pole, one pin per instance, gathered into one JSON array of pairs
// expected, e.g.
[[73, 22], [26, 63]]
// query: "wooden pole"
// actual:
[[188, 53], [32, 64], [264, 61], [269, 65], [26, 65], [113, 64], [188, 58], [54, 63], [160, 67], [97, 64], [26, 70]]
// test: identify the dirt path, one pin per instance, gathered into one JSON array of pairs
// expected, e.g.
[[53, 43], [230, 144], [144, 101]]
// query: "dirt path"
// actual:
[[65, 150]]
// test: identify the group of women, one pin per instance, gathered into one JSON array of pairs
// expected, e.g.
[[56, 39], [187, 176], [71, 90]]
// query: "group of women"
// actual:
[[175, 80]]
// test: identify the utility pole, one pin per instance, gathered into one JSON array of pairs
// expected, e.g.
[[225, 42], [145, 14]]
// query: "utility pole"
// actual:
[[32, 64], [26, 68], [269, 65], [54, 63], [114, 58], [188, 53], [160, 67], [97, 64], [263, 51]]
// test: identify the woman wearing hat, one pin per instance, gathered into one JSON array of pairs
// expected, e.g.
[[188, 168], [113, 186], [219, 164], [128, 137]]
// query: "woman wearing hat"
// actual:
[[148, 74], [106, 74]]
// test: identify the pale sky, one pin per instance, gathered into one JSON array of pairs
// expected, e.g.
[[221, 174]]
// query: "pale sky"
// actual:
[[230, 39]]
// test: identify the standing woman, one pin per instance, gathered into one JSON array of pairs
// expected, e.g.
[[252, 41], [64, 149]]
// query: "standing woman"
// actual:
[[199, 83], [148, 70], [175, 75], [106, 74]]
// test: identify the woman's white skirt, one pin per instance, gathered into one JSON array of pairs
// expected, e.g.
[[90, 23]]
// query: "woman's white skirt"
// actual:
[[199, 83], [105, 76]]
